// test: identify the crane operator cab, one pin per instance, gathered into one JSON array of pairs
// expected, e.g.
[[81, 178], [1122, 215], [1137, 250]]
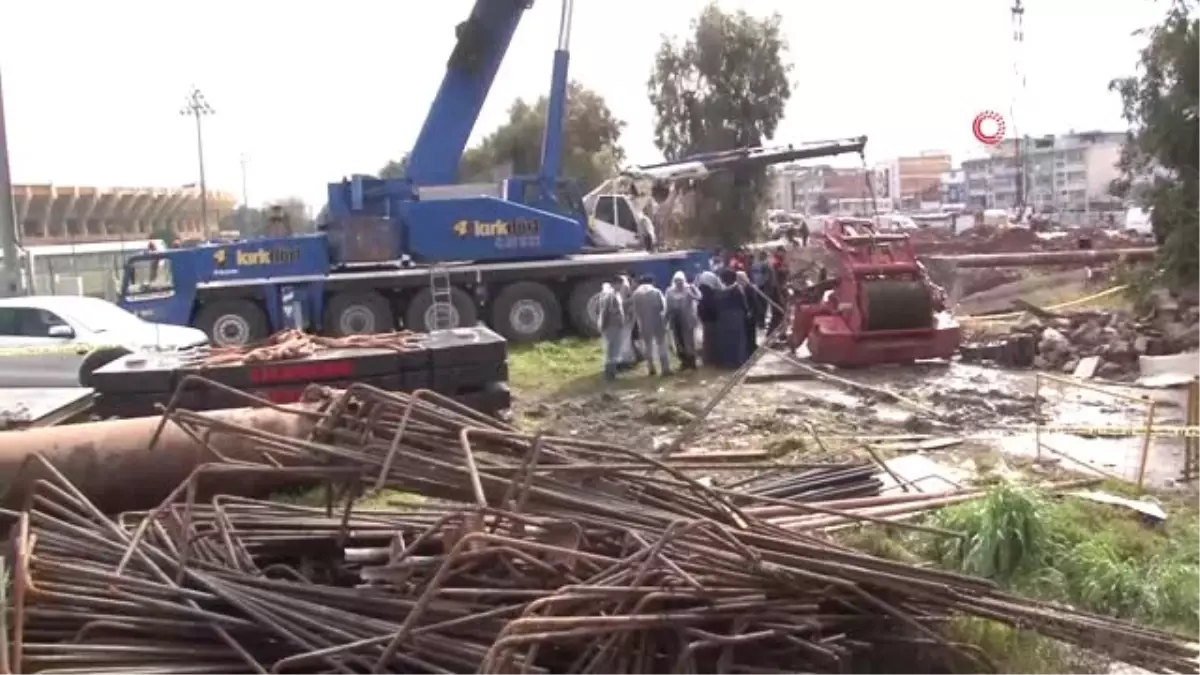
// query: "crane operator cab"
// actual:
[[611, 222], [610, 209]]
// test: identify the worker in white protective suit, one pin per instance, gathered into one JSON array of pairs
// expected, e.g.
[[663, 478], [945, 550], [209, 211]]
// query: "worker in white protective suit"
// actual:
[[612, 328], [650, 312], [629, 355], [682, 318]]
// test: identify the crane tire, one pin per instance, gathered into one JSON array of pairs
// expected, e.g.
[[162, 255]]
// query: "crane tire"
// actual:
[[354, 313], [96, 360], [419, 314], [233, 323], [580, 305], [526, 312]]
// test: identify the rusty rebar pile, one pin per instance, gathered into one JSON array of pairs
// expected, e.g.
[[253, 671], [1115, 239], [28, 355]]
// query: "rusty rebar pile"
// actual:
[[296, 344], [537, 554]]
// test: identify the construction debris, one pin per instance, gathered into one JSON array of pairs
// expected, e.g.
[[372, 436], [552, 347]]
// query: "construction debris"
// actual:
[[1118, 338], [988, 239], [819, 484], [542, 554]]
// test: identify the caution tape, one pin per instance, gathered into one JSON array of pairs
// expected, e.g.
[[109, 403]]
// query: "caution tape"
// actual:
[[1013, 316], [1164, 431], [55, 350]]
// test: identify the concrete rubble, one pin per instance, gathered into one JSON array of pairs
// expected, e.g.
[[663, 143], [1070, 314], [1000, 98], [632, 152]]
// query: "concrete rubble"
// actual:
[[1117, 338]]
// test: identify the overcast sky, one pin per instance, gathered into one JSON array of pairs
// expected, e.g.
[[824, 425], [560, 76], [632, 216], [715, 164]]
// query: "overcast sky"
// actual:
[[312, 91]]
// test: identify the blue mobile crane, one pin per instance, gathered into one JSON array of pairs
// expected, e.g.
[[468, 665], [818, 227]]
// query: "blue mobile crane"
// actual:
[[422, 250]]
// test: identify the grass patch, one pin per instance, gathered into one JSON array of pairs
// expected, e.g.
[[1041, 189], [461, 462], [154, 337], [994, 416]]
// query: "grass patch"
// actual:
[[1100, 558], [549, 366], [576, 366]]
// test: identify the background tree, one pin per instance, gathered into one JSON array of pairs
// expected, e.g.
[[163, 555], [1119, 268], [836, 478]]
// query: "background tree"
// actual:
[[252, 222], [1160, 157], [725, 87], [299, 215], [245, 219], [591, 142]]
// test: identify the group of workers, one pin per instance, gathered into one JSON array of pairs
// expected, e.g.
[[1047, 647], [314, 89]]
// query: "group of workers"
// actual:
[[714, 319]]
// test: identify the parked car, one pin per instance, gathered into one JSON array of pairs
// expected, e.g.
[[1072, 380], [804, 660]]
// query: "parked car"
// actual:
[[59, 340]]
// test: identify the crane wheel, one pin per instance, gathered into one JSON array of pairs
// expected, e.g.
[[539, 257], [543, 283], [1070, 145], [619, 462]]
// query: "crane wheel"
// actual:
[[421, 315], [526, 311], [97, 360], [583, 307], [358, 314], [232, 323]]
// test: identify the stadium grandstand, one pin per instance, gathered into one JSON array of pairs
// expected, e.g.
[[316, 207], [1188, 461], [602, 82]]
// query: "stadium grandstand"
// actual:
[[55, 215]]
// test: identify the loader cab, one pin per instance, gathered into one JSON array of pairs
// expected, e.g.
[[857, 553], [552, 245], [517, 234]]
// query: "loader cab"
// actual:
[[625, 217], [615, 220]]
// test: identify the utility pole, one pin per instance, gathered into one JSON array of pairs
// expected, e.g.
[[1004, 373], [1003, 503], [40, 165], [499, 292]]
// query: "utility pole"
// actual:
[[10, 277], [1019, 157], [245, 198], [196, 106]]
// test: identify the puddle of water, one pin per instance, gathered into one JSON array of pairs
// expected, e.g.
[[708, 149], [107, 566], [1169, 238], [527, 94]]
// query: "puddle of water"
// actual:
[[1110, 457], [999, 398]]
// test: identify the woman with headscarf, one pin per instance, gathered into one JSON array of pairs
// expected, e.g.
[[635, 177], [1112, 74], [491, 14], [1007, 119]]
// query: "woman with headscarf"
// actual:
[[751, 325], [682, 319], [706, 311], [732, 314]]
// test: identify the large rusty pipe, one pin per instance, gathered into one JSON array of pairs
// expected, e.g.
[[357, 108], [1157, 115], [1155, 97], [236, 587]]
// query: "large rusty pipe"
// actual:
[[112, 464], [1042, 258]]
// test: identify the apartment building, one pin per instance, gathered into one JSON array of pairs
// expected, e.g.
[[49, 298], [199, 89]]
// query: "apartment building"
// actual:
[[1066, 173], [916, 181], [953, 188]]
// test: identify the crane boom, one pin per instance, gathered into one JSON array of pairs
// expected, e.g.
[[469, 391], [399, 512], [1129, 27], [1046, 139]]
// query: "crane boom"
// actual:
[[482, 41], [556, 108]]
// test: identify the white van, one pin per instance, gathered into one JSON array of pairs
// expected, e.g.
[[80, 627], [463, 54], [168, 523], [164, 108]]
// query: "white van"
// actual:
[[1138, 220]]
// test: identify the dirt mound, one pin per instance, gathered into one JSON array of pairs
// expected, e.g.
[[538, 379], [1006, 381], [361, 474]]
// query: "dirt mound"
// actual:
[[987, 239]]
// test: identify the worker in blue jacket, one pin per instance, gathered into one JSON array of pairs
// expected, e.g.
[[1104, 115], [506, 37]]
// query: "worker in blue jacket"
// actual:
[[752, 296], [760, 276]]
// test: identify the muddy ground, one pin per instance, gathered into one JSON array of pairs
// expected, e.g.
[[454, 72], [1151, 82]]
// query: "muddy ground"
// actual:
[[957, 415]]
